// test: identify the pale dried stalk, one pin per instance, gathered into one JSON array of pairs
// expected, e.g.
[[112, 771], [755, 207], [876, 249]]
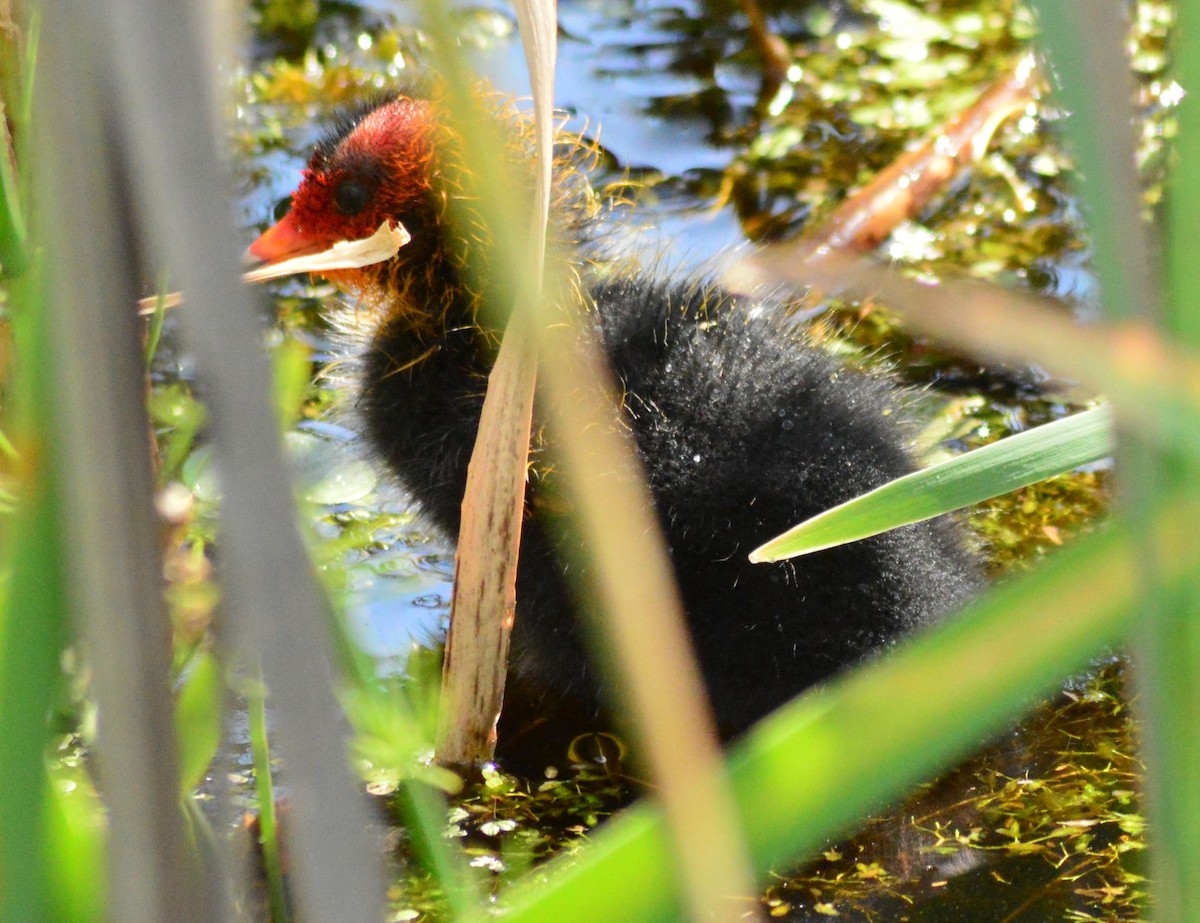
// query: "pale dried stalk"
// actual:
[[476, 665]]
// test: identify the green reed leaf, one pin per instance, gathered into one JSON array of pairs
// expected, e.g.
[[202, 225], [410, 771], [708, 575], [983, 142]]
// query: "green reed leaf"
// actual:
[[995, 469]]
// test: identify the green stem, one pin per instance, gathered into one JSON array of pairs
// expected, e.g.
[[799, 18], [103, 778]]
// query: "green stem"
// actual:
[[154, 334], [267, 821]]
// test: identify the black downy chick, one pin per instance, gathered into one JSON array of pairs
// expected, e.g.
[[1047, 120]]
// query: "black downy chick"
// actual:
[[743, 428]]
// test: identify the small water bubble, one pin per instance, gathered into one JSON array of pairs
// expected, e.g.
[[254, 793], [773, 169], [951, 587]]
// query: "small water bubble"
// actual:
[[787, 425], [696, 457]]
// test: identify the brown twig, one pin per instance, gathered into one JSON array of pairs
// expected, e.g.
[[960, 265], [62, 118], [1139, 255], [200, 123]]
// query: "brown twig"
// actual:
[[900, 191], [774, 51]]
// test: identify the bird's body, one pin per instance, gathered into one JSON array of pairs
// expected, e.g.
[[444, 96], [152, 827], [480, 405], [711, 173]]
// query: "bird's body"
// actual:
[[743, 429]]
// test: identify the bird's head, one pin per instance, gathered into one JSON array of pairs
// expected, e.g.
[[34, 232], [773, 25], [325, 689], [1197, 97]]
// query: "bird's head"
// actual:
[[374, 166], [397, 162]]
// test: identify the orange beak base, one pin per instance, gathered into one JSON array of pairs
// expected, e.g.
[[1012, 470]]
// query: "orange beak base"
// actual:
[[284, 241]]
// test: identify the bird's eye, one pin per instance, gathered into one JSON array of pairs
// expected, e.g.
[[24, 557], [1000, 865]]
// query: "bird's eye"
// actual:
[[282, 207], [351, 197]]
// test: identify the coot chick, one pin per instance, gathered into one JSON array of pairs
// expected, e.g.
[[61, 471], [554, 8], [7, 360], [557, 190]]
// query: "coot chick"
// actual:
[[743, 427]]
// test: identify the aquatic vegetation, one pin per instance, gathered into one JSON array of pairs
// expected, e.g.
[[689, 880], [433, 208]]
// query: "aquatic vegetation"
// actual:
[[1055, 808]]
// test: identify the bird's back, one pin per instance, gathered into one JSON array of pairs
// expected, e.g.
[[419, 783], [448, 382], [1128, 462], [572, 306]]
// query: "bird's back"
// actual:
[[744, 430]]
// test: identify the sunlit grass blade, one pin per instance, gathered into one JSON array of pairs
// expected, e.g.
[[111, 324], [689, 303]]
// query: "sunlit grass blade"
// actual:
[[821, 763], [77, 849], [1084, 46], [162, 77], [425, 811], [268, 822], [198, 720], [291, 371], [33, 574], [1169, 654], [31, 640], [1098, 90], [103, 457], [995, 469], [154, 331]]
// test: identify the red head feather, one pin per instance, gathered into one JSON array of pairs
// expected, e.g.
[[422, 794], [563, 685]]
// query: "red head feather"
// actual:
[[374, 167]]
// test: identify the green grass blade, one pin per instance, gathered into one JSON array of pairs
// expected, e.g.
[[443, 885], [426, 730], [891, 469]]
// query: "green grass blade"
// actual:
[[31, 638], [198, 720], [154, 333], [268, 820], [1097, 90], [995, 469], [1168, 643], [33, 610], [76, 858], [162, 77]]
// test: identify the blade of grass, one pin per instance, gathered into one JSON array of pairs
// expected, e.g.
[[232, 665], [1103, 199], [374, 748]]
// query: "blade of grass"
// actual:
[[154, 333], [637, 615], [1086, 47], [33, 607], [198, 710], [425, 810], [103, 451], [264, 788], [29, 82], [13, 233], [77, 846], [31, 638], [976, 476], [167, 115], [1168, 651], [1175, 648]]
